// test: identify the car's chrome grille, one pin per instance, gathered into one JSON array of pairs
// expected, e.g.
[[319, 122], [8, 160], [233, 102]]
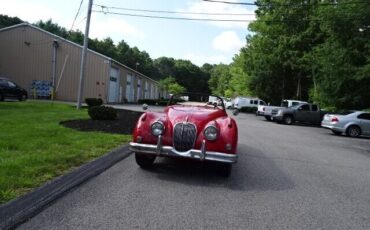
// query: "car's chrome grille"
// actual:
[[184, 135], [274, 112]]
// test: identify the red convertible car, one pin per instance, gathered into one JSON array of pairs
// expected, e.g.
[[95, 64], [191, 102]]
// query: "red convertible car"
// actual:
[[189, 127]]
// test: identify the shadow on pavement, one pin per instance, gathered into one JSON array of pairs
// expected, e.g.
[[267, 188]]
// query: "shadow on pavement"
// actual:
[[250, 173]]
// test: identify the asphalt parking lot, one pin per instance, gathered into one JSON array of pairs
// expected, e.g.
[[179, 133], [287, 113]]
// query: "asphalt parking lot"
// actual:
[[287, 177]]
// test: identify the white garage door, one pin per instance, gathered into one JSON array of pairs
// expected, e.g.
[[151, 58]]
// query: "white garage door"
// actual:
[[130, 89], [113, 94]]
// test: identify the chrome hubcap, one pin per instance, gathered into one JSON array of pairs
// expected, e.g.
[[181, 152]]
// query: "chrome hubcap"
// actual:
[[354, 132]]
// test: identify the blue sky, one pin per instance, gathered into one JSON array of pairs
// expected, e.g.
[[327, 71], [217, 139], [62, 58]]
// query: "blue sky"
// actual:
[[198, 41]]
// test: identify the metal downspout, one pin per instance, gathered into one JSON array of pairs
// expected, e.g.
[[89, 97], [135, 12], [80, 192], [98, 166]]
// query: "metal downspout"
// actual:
[[54, 64]]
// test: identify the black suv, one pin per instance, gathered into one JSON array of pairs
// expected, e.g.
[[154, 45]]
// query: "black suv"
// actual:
[[9, 89]]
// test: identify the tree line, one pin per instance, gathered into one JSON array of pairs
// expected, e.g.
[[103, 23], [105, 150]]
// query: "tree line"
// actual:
[[316, 50]]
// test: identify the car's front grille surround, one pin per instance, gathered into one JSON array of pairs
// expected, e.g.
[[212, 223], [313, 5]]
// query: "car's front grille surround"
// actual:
[[184, 136], [274, 112]]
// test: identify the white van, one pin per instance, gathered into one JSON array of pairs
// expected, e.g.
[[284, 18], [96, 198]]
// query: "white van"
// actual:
[[240, 102]]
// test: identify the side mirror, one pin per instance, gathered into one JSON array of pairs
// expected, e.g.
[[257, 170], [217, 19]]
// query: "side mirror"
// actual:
[[145, 106], [236, 112]]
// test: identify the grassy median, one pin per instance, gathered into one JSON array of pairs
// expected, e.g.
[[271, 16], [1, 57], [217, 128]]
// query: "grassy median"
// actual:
[[34, 148]]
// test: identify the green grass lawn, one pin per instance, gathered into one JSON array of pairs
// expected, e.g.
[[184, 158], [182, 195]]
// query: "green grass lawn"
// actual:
[[34, 148]]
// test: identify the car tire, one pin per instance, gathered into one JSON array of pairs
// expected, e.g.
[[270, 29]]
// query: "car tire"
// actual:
[[225, 169], [1, 97], [268, 118], [338, 133], [288, 120], [353, 131], [144, 160], [23, 97]]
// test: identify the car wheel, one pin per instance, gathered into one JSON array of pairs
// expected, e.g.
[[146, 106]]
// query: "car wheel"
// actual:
[[353, 131], [225, 169], [268, 118], [1, 97], [288, 120], [144, 160], [23, 97], [337, 132]]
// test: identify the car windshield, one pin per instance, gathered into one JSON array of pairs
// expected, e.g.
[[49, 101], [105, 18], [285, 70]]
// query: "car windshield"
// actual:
[[197, 99]]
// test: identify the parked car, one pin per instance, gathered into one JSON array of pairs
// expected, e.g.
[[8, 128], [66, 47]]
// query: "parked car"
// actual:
[[267, 111], [228, 103], [240, 102], [8, 89], [216, 101], [305, 113], [352, 123], [191, 129]]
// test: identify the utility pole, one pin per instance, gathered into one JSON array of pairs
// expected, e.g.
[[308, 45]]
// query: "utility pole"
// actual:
[[83, 56]]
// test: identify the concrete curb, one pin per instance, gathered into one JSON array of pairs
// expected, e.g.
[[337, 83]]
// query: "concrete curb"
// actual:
[[19, 210]]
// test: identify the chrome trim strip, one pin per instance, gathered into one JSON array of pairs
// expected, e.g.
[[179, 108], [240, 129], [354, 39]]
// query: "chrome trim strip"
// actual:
[[201, 154]]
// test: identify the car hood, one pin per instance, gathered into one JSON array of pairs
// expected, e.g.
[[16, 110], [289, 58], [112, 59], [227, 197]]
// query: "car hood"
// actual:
[[199, 115]]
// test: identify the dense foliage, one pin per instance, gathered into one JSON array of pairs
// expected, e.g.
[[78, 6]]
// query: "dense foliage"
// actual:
[[91, 102], [6, 21], [310, 50], [171, 86]]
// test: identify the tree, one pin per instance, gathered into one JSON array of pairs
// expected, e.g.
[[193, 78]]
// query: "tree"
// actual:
[[239, 81], [6, 21], [275, 54], [164, 66], [220, 79], [170, 85], [342, 61], [53, 28], [175, 88], [318, 50]]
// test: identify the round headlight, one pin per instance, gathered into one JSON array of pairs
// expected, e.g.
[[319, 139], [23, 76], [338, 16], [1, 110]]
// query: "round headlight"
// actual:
[[157, 128], [211, 133]]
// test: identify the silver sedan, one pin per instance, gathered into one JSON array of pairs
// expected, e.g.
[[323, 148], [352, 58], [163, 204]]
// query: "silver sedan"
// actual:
[[352, 124]]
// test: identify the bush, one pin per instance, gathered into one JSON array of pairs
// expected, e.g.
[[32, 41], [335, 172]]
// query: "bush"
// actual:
[[248, 109], [91, 102], [102, 113]]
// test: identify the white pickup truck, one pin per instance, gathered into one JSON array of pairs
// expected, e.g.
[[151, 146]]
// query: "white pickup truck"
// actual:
[[266, 111]]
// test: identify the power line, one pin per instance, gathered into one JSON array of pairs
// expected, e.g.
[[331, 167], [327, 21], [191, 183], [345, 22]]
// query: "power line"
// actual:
[[78, 12], [168, 12], [293, 5], [208, 19], [232, 3], [174, 18]]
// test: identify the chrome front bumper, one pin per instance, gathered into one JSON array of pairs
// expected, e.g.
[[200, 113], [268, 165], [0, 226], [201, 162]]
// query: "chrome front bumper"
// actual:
[[201, 154]]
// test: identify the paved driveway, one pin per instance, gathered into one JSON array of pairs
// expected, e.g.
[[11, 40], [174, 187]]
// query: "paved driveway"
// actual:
[[287, 177]]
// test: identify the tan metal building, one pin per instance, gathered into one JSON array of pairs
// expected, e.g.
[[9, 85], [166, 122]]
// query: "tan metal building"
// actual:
[[29, 54]]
